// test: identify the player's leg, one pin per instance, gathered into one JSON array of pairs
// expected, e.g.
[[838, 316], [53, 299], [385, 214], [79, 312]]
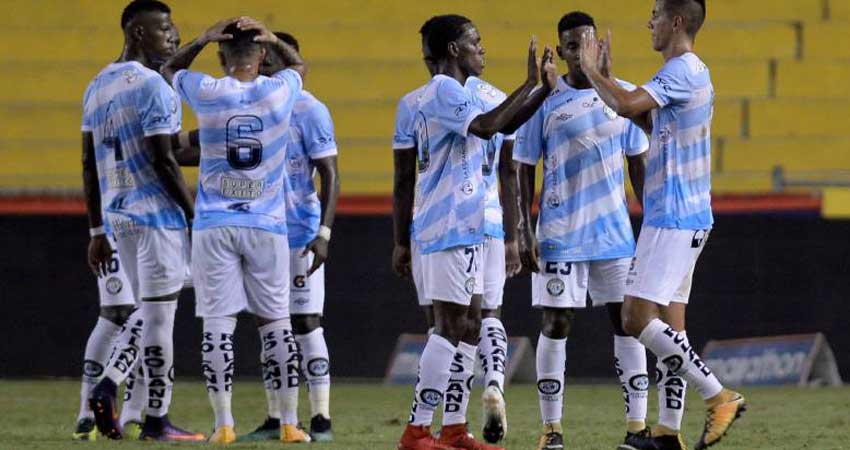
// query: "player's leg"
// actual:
[[493, 342], [267, 274], [133, 404], [664, 259], [163, 255], [558, 290], [450, 277], [672, 388], [419, 284]]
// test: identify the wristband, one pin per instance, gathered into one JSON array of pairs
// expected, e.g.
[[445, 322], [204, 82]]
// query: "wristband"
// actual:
[[324, 233], [97, 231]]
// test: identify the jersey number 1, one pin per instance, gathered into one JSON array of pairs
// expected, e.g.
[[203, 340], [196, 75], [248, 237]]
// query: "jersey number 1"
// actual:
[[244, 150]]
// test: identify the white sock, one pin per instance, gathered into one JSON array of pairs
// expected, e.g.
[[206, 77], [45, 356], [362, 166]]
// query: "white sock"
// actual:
[[493, 351], [272, 406], [98, 349], [135, 395], [127, 348], [434, 373], [676, 353], [316, 369], [630, 362], [217, 363], [280, 359], [158, 354], [456, 397], [551, 365], [671, 395]]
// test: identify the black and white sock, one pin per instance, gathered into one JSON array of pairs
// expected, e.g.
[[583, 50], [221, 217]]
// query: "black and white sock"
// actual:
[[217, 361], [551, 365], [672, 390], [135, 395], [158, 354], [456, 396], [316, 370], [434, 373], [493, 351], [98, 348], [630, 363], [127, 348], [280, 359]]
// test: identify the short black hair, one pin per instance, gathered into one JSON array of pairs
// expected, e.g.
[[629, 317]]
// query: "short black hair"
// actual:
[[139, 6], [288, 38], [573, 20], [442, 30], [693, 11], [242, 40], [425, 30]]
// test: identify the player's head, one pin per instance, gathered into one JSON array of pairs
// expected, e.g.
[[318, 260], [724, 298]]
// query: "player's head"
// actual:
[[240, 51], [675, 18], [272, 61], [427, 55], [148, 29], [571, 27], [454, 39]]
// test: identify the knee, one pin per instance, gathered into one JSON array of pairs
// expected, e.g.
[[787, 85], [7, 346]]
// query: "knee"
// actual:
[[631, 323], [305, 323], [452, 328], [473, 326], [615, 314], [116, 314], [557, 322]]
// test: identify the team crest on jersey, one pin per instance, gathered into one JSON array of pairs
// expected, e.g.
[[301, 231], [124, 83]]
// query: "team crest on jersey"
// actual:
[[664, 135], [555, 287], [488, 89], [553, 201], [470, 285], [130, 75], [609, 113], [114, 285], [467, 188]]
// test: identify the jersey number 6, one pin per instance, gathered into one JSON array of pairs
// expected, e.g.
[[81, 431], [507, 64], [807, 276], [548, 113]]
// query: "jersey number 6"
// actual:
[[244, 150]]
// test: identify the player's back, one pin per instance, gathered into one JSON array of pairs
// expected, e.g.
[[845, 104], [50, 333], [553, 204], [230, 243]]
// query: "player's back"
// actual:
[[125, 103], [677, 190], [311, 137], [243, 130], [582, 143], [450, 189]]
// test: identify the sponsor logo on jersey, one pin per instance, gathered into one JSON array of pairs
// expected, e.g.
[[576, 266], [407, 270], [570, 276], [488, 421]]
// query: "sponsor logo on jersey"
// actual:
[[430, 397], [549, 386], [609, 113], [299, 281], [563, 117], [555, 287], [318, 367], [639, 382], [120, 178], [114, 285], [242, 188], [130, 75], [470, 285]]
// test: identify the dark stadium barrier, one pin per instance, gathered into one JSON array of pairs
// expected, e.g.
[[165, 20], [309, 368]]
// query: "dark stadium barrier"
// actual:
[[758, 276]]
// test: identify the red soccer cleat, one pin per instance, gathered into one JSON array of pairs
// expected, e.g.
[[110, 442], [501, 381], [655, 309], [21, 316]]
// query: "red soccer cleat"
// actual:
[[458, 436]]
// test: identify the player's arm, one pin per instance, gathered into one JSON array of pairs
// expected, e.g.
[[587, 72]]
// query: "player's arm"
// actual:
[[528, 240], [510, 206], [637, 174], [169, 174], [187, 148], [99, 251], [186, 55], [286, 54], [634, 105], [404, 185], [329, 179], [523, 102]]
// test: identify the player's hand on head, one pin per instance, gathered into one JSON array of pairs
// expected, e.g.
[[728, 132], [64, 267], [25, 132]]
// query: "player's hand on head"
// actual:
[[216, 32], [99, 254], [319, 247], [589, 51], [548, 68], [533, 63], [513, 265], [401, 262], [264, 36]]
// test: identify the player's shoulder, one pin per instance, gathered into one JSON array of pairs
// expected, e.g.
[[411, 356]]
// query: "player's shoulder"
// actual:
[[485, 90], [308, 105]]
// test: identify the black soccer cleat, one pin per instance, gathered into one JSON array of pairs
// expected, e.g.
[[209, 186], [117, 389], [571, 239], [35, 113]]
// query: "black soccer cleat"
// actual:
[[320, 429], [641, 440], [102, 404]]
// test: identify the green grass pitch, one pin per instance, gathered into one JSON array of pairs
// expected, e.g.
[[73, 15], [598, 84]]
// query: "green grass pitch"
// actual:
[[41, 415]]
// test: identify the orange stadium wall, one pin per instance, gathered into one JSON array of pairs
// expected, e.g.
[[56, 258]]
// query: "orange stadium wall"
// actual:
[[759, 275]]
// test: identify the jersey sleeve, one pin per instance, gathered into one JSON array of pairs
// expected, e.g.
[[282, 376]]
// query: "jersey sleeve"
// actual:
[[87, 122], [529, 142], [455, 107], [158, 107], [670, 85], [189, 84], [292, 79], [404, 136], [317, 132], [635, 141]]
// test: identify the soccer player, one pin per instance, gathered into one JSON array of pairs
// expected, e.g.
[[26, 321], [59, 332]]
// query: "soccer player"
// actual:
[[309, 218], [448, 221], [676, 105], [240, 251], [584, 241], [129, 116], [116, 305], [492, 341]]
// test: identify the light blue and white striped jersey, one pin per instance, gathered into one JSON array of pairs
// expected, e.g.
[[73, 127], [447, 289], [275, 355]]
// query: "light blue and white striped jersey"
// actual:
[[124, 104], [582, 143], [404, 135], [244, 128], [677, 190], [311, 133], [450, 191], [491, 97]]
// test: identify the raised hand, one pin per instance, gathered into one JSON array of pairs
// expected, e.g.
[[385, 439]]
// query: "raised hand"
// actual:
[[247, 24], [216, 32], [533, 64], [589, 52], [548, 69], [605, 55]]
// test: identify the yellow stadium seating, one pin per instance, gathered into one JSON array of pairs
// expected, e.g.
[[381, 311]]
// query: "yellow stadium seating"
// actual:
[[827, 41], [802, 154], [813, 79], [798, 118]]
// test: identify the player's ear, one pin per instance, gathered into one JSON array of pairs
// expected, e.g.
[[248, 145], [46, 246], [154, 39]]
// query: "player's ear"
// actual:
[[137, 32], [454, 49]]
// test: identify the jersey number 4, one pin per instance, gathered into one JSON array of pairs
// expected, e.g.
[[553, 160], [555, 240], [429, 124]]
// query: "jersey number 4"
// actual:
[[244, 150]]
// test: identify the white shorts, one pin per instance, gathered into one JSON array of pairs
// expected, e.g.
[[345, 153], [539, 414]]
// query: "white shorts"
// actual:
[[240, 269], [418, 277], [494, 273], [306, 294], [664, 262], [115, 288], [453, 275], [567, 284], [155, 259]]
